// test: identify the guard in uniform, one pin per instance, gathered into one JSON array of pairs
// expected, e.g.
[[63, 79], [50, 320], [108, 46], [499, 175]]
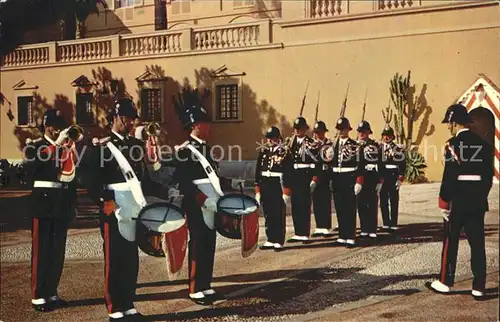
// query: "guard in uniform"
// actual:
[[370, 179], [344, 166], [393, 160], [116, 178], [322, 197], [463, 200], [303, 179], [51, 167], [200, 199], [272, 187]]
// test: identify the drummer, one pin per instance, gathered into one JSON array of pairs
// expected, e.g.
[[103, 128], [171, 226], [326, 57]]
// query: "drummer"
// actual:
[[272, 187], [104, 178], [198, 179]]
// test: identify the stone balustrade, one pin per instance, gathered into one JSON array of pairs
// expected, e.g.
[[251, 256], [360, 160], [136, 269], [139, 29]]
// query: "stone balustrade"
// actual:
[[398, 4], [28, 55], [157, 43], [235, 36], [151, 44], [88, 49], [327, 8]]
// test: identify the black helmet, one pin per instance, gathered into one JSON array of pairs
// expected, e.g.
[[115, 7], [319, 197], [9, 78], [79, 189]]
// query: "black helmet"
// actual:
[[195, 114], [343, 124], [320, 126], [300, 123], [53, 118], [457, 113], [364, 126], [125, 107], [273, 133], [388, 130]]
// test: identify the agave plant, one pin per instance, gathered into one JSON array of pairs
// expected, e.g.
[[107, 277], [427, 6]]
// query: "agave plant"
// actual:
[[415, 165]]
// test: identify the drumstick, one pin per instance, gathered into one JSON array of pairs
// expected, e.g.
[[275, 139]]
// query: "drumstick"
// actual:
[[168, 209], [242, 196]]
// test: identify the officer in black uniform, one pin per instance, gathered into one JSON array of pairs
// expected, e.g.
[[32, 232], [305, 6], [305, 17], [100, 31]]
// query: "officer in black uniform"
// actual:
[[272, 187], [371, 169], [198, 203], [53, 195], [463, 200], [344, 181], [105, 181], [303, 179], [393, 159], [322, 196]]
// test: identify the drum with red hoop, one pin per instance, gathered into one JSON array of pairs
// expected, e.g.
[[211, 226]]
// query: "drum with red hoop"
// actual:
[[238, 218], [162, 232]]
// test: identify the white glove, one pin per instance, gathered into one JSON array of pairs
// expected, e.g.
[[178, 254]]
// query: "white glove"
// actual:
[[312, 186], [398, 184], [357, 188], [285, 198], [63, 135], [446, 214], [122, 219], [211, 204], [173, 193], [257, 197], [378, 187], [235, 183]]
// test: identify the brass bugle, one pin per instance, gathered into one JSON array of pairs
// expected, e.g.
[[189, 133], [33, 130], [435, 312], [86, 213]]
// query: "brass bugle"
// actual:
[[153, 129], [75, 133]]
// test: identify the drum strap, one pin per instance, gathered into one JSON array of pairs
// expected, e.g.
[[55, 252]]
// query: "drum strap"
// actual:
[[129, 174], [212, 176]]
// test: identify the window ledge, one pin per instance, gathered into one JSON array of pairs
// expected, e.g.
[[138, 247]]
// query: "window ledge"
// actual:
[[228, 121]]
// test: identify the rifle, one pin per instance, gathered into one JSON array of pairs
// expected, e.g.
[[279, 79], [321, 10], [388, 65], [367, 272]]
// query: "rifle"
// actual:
[[317, 110], [290, 142], [364, 107], [342, 110]]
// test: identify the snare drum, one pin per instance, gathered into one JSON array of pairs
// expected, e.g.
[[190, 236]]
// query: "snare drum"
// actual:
[[154, 220], [238, 218]]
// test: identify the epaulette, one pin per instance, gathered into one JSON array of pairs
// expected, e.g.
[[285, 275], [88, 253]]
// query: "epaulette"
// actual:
[[181, 146], [33, 141], [98, 142]]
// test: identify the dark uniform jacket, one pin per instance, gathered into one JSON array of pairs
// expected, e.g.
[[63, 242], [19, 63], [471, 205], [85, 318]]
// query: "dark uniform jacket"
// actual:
[[188, 169], [274, 159], [370, 161], [393, 159], [101, 168], [322, 166], [345, 157], [303, 153], [466, 155], [43, 163]]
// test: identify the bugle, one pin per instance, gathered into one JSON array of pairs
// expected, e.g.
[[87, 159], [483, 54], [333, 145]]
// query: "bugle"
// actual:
[[153, 129], [75, 133]]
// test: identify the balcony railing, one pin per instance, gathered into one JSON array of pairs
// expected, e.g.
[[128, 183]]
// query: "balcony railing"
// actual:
[[327, 8], [398, 4], [162, 42]]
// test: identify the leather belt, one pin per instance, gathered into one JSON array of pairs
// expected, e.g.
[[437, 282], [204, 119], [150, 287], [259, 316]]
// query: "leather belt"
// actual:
[[469, 177], [340, 170], [201, 181], [270, 174], [50, 184], [304, 165], [391, 166], [371, 167]]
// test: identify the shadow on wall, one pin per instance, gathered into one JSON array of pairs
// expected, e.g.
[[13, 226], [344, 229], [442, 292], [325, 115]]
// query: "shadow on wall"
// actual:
[[258, 115], [422, 109]]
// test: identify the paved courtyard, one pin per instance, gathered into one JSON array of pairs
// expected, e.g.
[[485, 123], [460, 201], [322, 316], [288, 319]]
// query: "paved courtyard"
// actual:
[[315, 282]]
